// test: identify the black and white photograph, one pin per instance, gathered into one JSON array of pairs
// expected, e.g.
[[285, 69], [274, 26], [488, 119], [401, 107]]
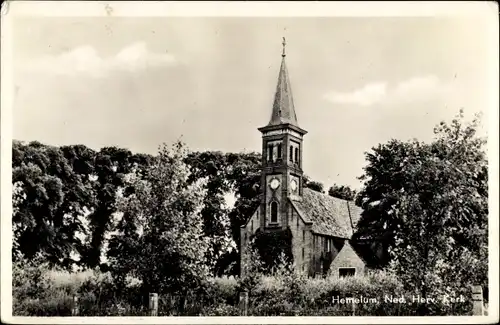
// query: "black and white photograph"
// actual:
[[249, 162]]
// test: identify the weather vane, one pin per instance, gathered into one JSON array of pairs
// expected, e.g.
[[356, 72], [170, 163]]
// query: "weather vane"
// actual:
[[284, 44]]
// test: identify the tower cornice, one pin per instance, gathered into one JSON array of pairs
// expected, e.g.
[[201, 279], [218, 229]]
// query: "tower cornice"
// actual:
[[284, 126]]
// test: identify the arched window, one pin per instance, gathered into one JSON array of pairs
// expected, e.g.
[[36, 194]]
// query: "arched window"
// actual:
[[290, 156], [297, 155], [269, 152], [274, 211], [279, 150]]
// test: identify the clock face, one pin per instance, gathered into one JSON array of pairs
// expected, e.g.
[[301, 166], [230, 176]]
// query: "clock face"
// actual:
[[293, 185], [275, 183]]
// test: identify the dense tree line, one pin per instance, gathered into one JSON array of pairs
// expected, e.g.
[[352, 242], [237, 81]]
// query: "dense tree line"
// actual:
[[168, 211], [65, 199]]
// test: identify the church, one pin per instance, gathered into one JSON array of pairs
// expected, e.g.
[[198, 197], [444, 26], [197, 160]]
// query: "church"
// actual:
[[321, 226]]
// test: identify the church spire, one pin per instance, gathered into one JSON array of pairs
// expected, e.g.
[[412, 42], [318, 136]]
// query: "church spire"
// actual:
[[283, 108]]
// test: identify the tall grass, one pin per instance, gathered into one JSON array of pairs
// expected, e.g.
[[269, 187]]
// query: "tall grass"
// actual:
[[40, 291]]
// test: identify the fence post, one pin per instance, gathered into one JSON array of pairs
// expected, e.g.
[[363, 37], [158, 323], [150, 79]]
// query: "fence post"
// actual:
[[153, 304], [477, 301], [75, 310], [243, 304], [185, 301]]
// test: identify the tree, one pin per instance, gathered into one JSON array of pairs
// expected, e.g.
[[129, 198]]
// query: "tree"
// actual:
[[342, 192], [110, 166], [160, 238], [428, 204], [49, 201], [213, 166], [313, 185], [244, 175]]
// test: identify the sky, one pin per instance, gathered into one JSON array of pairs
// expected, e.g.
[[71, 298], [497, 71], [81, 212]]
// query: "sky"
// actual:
[[138, 82]]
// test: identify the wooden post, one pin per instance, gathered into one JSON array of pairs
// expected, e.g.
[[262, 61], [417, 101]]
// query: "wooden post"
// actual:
[[477, 301], [185, 302], [75, 310], [243, 304], [181, 303], [153, 304]]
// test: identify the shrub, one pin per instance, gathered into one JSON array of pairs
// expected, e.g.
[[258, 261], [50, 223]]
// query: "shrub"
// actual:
[[252, 268], [34, 293], [294, 294], [39, 291], [97, 295], [222, 289], [221, 310], [273, 247]]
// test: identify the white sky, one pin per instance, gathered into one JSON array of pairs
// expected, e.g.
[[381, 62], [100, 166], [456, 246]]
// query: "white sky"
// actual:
[[137, 82]]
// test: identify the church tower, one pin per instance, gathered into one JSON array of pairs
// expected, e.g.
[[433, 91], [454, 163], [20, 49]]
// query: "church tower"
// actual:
[[320, 226], [281, 156]]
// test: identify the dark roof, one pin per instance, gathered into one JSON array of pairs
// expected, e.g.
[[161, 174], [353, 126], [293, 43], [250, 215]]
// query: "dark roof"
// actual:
[[355, 213], [330, 216], [283, 107]]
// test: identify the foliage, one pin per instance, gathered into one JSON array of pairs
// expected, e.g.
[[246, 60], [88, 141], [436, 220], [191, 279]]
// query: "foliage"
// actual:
[[110, 165], [160, 239], [271, 245], [218, 291], [41, 291], [288, 293], [213, 166], [64, 199], [343, 192], [244, 173], [49, 200], [437, 191], [32, 291], [252, 270], [222, 310], [313, 185]]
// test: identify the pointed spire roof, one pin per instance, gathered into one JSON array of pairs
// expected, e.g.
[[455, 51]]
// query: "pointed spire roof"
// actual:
[[283, 108]]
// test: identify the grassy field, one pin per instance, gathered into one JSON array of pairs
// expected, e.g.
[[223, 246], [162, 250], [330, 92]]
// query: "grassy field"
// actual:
[[39, 291]]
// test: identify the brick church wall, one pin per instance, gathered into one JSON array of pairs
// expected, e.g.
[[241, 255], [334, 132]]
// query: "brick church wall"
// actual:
[[322, 251], [308, 248], [246, 232], [302, 241]]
